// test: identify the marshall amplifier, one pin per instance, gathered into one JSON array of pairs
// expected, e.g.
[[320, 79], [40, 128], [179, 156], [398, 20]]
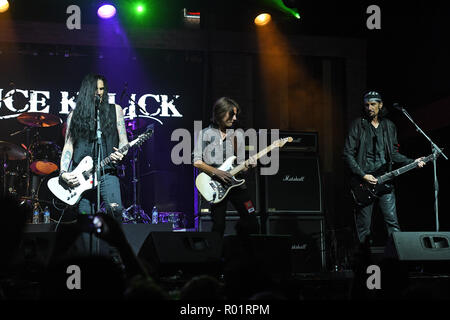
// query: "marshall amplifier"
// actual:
[[296, 188], [303, 142], [308, 241], [204, 223]]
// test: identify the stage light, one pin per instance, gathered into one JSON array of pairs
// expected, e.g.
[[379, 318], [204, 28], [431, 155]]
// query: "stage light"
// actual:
[[106, 11], [140, 8], [291, 7], [263, 19], [4, 6]]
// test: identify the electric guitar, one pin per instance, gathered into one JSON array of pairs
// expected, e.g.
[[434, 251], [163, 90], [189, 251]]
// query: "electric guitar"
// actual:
[[87, 175], [365, 193], [215, 191]]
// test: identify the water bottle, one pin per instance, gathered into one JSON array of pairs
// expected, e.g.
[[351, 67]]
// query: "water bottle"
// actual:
[[46, 215], [36, 214], [154, 215]]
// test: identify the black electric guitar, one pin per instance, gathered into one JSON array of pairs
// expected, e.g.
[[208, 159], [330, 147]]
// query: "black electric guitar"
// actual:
[[365, 193]]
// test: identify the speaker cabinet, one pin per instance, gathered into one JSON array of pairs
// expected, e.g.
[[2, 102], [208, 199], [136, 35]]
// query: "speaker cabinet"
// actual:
[[35, 248], [422, 246], [252, 182], [308, 244], [204, 224], [296, 188], [165, 253], [137, 234]]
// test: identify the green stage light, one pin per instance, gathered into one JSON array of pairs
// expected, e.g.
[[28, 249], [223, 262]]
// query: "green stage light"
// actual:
[[140, 8], [286, 6]]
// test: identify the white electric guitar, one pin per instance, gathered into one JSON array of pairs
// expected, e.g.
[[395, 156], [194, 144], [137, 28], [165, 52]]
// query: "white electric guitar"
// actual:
[[215, 191], [86, 175]]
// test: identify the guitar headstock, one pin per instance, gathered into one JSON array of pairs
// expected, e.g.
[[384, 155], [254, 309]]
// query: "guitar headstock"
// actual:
[[145, 135], [281, 142]]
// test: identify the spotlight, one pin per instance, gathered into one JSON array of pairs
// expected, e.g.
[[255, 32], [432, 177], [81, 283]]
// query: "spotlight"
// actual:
[[262, 19], [139, 8], [106, 11], [4, 6]]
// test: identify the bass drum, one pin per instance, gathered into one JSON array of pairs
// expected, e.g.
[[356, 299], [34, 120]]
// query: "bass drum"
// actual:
[[45, 157]]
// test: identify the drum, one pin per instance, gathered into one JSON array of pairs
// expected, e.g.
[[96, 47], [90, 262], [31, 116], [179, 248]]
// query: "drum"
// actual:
[[45, 157], [15, 183]]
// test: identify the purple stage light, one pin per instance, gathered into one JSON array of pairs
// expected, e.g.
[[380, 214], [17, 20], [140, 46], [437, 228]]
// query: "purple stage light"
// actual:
[[106, 11]]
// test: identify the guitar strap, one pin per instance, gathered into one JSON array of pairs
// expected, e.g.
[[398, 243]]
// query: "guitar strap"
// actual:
[[235, 144]]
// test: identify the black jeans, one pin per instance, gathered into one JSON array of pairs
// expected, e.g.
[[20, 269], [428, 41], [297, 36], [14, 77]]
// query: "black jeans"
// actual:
[[109, 194], [363, 216], [240, 199]]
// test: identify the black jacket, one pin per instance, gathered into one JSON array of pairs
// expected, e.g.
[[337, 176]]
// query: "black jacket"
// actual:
[[355, 152]]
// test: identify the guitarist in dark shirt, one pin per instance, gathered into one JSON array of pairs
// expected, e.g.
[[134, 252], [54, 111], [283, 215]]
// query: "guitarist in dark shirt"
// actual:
[[371, 149], [218, 136], [80, 141]]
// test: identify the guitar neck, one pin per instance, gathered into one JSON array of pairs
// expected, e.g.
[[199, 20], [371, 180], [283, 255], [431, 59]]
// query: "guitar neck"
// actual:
[[241, 166], [392, 174], [108, 160]]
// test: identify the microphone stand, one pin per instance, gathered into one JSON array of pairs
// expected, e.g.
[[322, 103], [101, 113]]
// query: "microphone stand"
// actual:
[[436, 150], [97, 157], [138, 214]]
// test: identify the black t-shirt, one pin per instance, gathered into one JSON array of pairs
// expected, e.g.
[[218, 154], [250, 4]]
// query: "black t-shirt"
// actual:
[[376, 154]]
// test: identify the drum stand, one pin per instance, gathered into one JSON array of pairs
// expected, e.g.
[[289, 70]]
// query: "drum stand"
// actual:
[[134, 213]]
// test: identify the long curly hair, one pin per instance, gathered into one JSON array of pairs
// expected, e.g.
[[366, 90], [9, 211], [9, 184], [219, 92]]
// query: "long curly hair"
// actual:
[[82, 124]]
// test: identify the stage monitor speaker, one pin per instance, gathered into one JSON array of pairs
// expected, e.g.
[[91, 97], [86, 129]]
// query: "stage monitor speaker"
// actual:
[[308, 243], [137, 234], [296, 188], [252, 182], [422, 246], [166, 253], [35, 248]]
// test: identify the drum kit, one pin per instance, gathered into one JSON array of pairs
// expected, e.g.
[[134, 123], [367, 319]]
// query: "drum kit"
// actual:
[[25, 166]]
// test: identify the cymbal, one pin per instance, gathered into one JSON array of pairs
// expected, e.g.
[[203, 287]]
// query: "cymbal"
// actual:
[[12, 151], [39, 119]]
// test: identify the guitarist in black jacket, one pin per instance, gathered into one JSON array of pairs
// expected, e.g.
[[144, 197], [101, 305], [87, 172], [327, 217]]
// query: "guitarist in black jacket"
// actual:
[[371, 149]]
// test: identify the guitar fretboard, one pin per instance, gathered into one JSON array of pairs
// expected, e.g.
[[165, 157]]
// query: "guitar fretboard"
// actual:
[[241, 166], [392, 174]]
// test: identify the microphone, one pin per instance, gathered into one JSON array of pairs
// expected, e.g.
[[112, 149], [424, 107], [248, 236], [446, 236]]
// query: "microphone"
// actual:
[[124, 91]]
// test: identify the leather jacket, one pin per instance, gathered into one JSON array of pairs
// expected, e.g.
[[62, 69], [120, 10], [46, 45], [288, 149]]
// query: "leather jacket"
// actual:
[[355, 152]]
